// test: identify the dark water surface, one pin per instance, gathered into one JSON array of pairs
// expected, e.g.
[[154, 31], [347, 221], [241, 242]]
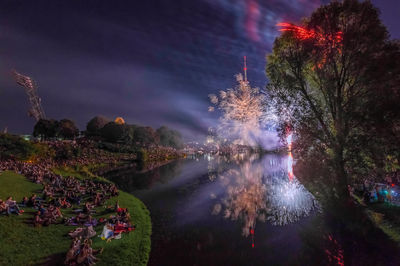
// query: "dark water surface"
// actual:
[[204, 210]]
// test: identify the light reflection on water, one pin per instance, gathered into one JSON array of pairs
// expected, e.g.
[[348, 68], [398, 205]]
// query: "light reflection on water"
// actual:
[[262, 190], [211, 203]]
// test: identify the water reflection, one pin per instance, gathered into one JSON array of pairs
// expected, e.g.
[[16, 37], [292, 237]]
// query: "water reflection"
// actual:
[[133, 178], [263, 189]]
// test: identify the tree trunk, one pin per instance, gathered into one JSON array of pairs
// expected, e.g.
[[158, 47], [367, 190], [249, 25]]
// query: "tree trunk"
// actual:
[[341, 175]]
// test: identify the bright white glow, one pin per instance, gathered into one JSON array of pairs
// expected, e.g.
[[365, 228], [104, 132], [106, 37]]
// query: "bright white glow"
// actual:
[[263, 190], [243, 111]]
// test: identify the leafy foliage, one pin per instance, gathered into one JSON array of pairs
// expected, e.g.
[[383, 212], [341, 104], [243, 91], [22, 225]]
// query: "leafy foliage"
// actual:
[[68, 129], [146, 136], [94, 126], [46, 128], [327, 91], [114, 132], [15, 147]]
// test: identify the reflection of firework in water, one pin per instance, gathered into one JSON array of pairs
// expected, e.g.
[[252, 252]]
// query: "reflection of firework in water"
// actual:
[[288, 201], [252, 194], [245, 198]]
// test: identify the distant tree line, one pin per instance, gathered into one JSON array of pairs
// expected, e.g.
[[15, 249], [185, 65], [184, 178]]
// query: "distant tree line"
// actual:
[[50, 129], [111, 131], [104, 129]]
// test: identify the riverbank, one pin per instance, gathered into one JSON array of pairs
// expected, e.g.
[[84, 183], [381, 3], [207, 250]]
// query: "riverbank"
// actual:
[[24, 244], [352, 233]]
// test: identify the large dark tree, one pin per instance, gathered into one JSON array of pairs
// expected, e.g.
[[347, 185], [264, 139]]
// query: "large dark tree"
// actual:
[[68, 129], [146, 136], [114, 132], [94, 126], [46, 128], [325, 76]]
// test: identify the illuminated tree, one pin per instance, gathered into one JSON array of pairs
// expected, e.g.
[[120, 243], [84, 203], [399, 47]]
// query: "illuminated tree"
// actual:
[[324, 76], [243, 111]]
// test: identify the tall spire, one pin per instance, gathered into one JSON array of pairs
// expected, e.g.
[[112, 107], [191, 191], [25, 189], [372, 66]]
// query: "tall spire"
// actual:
[[245, 69]]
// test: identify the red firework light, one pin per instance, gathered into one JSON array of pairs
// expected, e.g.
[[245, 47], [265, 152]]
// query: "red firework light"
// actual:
[[305, 34]]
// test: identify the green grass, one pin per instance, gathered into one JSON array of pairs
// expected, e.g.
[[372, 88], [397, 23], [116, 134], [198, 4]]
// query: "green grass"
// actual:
[[387, 217], [23, 244]]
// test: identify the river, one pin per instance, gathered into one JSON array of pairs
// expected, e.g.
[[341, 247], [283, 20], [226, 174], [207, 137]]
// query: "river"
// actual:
[[213, 210]]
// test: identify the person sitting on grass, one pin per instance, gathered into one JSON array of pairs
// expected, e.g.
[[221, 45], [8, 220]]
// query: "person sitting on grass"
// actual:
[[73, 252], [114, 191], [97, 199], [90, 221], [24, 202], [86, 255], [123, 215], [37, 221], [51, 214], [3, 207], [88, 208], [13, 206], [108, 232], [121, 227], [111, 208], [32, 202], [63, 203]]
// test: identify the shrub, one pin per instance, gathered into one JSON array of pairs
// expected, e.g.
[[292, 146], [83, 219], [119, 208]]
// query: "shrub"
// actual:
[[67, 152], [114, 132], [15, 147]]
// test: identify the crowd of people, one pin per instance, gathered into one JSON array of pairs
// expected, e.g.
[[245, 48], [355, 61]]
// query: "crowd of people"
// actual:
[[161, 153], [81, 196], [88, 153], [372, 192]]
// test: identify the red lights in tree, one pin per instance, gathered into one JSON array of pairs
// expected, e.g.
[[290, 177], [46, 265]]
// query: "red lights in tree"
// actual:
[[300, 32], [305, 34], [326, 41]]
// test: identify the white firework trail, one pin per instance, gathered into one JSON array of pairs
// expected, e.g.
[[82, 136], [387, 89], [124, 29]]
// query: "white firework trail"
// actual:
[[243, 112]]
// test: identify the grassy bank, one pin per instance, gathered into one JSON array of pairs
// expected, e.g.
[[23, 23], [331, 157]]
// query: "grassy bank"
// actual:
[[23, 244]]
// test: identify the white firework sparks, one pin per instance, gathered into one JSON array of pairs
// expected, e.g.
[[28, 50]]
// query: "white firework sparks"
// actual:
[[243, 111]]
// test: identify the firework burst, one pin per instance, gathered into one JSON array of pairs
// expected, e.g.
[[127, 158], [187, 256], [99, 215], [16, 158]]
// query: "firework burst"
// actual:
[[243, 111]]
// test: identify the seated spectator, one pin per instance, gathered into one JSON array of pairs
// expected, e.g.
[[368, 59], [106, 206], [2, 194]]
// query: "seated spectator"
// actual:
[[32, 201], [13, 206], [73, 252], [3, 207], [108, 232], [37, 221], [24, 202]]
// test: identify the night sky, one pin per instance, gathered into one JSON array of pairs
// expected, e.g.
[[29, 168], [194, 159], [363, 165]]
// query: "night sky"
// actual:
[[151, 62]]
